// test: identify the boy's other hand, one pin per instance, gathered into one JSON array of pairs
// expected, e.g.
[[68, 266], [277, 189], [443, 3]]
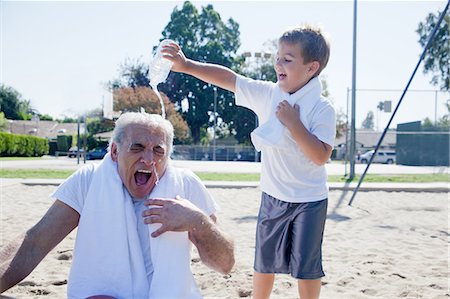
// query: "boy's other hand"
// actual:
[[288, 115], [174, 53]]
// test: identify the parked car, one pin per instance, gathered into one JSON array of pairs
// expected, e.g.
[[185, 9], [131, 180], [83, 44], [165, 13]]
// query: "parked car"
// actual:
[[97, 153], [72, 153], [387, 157]]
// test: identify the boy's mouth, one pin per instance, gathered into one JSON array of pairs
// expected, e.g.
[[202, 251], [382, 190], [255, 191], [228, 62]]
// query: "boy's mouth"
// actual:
[[142, 176], [281, 76]]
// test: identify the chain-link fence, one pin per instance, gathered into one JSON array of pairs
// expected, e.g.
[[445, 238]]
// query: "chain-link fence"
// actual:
[[218, 153]]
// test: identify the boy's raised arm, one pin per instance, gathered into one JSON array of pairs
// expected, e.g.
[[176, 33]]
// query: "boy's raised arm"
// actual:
[[210, 73]]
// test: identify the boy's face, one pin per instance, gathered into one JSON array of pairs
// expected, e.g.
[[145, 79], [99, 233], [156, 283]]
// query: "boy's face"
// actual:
[[292, 72]]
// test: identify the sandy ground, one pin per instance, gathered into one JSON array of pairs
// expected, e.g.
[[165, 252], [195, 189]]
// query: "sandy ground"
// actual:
[[388, 245]]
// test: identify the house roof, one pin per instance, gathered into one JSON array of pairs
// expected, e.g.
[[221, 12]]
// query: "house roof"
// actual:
[[43, 128], [367, 138]]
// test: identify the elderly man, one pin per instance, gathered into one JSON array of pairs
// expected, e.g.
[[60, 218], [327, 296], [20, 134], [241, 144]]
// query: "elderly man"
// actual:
[[137, 217]]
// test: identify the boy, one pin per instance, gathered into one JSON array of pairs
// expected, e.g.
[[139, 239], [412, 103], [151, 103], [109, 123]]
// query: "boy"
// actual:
[[295, 137]]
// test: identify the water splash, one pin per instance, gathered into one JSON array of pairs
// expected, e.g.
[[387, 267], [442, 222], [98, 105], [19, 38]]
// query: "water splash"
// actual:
[[163, 110], [156, 173]]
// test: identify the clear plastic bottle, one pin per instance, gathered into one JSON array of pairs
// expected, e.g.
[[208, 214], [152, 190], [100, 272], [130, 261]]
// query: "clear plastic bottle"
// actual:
[[159, 66]]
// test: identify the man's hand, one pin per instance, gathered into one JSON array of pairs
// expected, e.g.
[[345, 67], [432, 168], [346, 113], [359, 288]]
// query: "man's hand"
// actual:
[[215, 249], [177, 215]]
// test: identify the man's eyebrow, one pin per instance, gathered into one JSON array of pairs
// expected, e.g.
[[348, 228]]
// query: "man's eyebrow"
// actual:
[[136, 144]]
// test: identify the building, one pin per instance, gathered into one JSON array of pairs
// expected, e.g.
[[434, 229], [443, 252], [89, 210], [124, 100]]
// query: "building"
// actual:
[[366, 140]]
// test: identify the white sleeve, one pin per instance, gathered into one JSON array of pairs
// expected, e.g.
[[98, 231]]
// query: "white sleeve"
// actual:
[[197, 193], [74, 189], [253, 94], [324, 124]]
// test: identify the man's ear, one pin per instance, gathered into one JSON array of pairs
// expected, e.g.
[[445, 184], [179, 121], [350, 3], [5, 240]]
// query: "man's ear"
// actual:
[[114, 153]]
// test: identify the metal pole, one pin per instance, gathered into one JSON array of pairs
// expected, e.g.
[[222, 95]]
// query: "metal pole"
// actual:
[[346, 135], [353, 126], [215, 123], [84, 141], [78, 140], [435, 107], [399, 102]]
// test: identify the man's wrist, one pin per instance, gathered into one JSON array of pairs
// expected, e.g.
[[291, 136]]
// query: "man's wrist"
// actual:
[[200, 223]]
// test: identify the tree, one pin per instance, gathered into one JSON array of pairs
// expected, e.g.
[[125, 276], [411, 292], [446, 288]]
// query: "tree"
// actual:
[[203, 37], [12, 104], [437, 56], [368, 121], [133, 99], [3, 122]]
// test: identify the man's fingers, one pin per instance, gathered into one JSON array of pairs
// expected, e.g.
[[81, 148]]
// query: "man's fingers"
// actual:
[[159, 232], [151, 211], [152, 219], [155, 202]]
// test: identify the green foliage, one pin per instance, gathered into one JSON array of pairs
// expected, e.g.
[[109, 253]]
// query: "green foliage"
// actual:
[[22, 145], [45, 117], [97, 125], [3, 122], [203, 36], [437, 56], [368, 122], [12, 104], [64, 142]]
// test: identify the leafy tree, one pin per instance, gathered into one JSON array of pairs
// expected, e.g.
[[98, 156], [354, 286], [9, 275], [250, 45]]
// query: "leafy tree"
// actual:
[[368, 121], [205, 37], [133, 99], [437, 56], [45, 117], [3, 122], [12, 104]]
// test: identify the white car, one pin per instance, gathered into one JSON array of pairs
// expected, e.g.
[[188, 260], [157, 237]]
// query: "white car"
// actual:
[[387, 157]]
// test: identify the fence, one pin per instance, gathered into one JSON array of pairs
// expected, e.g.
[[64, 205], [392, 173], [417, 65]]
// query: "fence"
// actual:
[[221, 153]]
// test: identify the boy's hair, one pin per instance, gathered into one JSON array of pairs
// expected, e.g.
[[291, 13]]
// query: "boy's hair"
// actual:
[[313, 44]]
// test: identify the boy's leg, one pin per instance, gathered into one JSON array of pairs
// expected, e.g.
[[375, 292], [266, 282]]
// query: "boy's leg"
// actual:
[[309, 288], [262, 285]]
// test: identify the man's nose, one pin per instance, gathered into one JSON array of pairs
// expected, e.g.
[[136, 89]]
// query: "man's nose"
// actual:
[[147, 157]]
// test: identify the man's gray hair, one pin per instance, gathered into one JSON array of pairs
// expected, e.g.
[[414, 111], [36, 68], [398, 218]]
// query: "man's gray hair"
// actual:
[[146, 119]]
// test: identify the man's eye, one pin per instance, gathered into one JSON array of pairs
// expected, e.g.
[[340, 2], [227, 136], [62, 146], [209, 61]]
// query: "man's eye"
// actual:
[[159, 151], [135, 148]]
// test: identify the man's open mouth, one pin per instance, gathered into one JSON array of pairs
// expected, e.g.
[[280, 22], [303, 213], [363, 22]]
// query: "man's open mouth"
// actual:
[[142, 176]]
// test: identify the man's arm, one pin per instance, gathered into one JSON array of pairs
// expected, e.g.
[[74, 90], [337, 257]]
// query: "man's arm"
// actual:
[[210, 73], [21, 256], [216, 250], [316, 150]]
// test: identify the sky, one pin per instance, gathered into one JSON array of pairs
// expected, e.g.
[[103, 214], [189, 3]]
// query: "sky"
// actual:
[[60, 54]]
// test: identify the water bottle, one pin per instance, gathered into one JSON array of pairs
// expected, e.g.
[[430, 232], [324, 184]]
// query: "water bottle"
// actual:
[[160, 66]]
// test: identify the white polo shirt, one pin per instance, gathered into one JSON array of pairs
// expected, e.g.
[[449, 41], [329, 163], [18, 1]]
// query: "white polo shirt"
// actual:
[[286, 172]]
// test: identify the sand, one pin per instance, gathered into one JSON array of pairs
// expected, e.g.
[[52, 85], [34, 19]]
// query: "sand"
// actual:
[[387, 245]]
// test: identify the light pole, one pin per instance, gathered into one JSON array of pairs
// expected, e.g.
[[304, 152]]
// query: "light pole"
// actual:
[[215, 123]]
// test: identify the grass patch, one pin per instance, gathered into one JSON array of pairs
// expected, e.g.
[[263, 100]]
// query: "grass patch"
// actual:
[[233, 177], [19, 158], [37, 173]]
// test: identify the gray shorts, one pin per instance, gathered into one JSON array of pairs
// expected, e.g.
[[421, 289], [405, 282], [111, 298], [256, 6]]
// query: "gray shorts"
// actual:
[[289, 237]]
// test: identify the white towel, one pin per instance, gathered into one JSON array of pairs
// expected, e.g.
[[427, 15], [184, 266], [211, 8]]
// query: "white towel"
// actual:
[[171, 251], [108, 258], [273, 133]]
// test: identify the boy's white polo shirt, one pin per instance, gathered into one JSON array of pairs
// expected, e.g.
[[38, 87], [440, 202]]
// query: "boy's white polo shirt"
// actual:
[[287, 173]]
